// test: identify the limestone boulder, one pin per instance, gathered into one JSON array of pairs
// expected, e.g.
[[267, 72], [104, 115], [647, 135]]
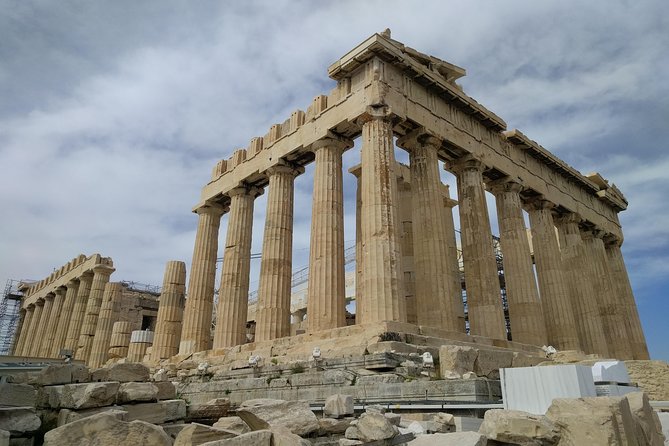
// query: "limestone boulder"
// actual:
[[375, 426], [394, 418], [281, 436], [107, 429], [17, 395], [166, 390], [517, 427], [488, 362], [647, 421], [457, 359], [157, 413], [211, 410], [79, 396], [19, 420], [233, 424], [66, 416], [450, 439], [195, 434], [521, 359], [267, 413], [137, 392], [333, 426], [664, 421], [255, 438], [55, 374], [652, 377], [593, 421], [128, 372], [338, 406]]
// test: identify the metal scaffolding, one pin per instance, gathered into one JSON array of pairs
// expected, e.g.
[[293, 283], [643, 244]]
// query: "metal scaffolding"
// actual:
[[10, 307]]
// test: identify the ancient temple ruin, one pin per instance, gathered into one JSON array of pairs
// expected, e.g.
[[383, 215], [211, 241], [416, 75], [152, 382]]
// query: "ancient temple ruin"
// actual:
[[572, 292]]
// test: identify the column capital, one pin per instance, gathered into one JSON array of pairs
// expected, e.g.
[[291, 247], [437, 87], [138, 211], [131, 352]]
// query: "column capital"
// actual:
[[332, 140], [356, 170], [569, 217], [538, 203], [246, 190], [103, 270], [612, 240], [86, 275], [39, 302], [49, 296], [375, 113], [467, 162], [30, 307], [72, 282], [505, 184], [60, 291], [419, 138], [211, 208], [591, 232], [284, 168]]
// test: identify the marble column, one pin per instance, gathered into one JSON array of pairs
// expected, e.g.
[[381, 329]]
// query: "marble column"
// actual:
[[78, 311], [273, 308], [196, 331], [53, 323], [405, 223], [140, 341], [65, 318], [484, 299], [32, 342], [326, 293], [109, 313], [101, 275], [17, 332], [434, 293], [588, 321], [170, 312], [42, 336], [233, 294], [120, 339], [452, 257], [383, 298], [613, 320], [359, 302], [625, 298], [555, 298], [19, 350], [525, 315]]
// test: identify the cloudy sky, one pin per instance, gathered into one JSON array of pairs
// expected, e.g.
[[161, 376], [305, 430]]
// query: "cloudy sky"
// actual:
[[112, 114]]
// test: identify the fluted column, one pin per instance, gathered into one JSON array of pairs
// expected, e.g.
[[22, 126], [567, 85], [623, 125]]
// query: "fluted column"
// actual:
[[359, 304], [109, 313], [233, 295], [434, 293], [120, 339], [196, 331], [525, 315], [65, 318], [625, 298], [53, 323], [17, 332], [101, 275], [170, 312], [588, 321], [484, 299], [326, 293], [42, 333], [555, 298], [452, 257], [613, 320], [78, 312], [273, 308], [383, 298], [32, 341], [25, 331]]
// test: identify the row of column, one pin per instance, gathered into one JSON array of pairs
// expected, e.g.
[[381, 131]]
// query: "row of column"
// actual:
[[64, 319], [568, 309], [85, 318]]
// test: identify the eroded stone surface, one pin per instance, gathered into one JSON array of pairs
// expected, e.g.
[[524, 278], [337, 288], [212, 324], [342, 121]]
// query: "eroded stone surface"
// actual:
[[107, 429], [513, 426], [337, 406], [19, 420], [195, 434], [267, 413]]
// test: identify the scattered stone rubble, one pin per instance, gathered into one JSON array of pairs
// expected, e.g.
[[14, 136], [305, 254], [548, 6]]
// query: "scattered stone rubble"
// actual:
[[120, 405]]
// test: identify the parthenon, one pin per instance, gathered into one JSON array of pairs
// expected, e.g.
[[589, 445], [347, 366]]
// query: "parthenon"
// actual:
[[570, 289]]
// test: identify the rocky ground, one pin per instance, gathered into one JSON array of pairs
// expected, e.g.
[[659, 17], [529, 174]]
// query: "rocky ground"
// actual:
[[124, 405]]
